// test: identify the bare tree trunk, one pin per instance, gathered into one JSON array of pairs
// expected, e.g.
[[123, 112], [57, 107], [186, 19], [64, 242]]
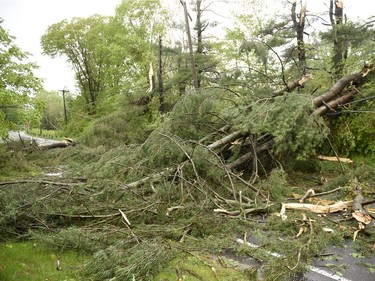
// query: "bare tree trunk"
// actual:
[[299, 27], [339, 45]]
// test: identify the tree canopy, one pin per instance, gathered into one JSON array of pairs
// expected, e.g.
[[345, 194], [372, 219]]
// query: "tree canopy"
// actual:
[[17, 86]]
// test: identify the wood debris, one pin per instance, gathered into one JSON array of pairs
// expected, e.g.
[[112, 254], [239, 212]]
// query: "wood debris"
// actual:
[[317, 209]]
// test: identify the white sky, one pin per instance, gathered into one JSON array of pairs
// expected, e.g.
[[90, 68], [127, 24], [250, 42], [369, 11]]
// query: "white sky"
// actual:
[[27, 20]]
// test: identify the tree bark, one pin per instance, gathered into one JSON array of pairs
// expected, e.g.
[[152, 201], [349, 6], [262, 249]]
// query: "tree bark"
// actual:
[[340, 48], [292, 85], [341, 84], [334, 104], [299, 27]]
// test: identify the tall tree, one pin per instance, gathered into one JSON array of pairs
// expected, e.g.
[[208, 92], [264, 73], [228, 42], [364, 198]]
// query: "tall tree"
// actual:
[[340, 47], [80, 40], [206, 62], [17, 86], [108, 53], [299, 27]]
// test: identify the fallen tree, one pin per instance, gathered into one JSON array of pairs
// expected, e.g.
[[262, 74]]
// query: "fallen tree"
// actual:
[[214, 157]]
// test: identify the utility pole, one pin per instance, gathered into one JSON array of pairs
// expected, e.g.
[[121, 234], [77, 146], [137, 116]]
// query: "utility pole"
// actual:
[[160, 74], [65, 116], [193, 70]]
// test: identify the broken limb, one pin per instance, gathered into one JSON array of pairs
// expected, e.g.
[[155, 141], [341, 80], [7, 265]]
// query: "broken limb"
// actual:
[[359, 213], [292, 85], [317, 209], [340, 85], [334, 103], [335, 159]]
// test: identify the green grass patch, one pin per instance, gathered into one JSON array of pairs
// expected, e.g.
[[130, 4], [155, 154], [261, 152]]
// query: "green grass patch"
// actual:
[[32, 262]]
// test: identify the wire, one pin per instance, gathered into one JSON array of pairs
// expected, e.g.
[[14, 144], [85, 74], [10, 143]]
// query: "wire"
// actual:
[[356, 101], [350, 111]]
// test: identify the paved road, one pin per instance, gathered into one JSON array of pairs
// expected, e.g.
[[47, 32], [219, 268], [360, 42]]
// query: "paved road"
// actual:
[[22, 135], [343, 264]]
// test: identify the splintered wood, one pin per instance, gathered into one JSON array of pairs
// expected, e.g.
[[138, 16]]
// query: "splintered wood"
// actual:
[[318, 209], [335, 159]]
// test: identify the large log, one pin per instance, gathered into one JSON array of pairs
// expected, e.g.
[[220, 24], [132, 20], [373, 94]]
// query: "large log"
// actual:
[[334, 104], [58, 144], [340, 85]]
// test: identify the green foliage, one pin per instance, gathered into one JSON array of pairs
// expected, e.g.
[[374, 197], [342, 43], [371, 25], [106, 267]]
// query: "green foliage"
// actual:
[[195, 267], [13, 161], [78, 239], [295, 131], [17, 85], [105, 50], [193, 117], [123, 261], [115, 129], [53, 110], [353, 133], [276, 184]]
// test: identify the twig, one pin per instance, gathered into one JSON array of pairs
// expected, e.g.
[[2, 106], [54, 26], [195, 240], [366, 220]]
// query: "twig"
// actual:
[[325, 193], [40, 199]]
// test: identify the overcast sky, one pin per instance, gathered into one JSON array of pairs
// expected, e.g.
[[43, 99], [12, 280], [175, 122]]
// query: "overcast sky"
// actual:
[[27, 20]]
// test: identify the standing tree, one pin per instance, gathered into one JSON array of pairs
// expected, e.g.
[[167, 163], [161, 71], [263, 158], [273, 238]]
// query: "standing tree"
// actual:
[[80, 41], [340, 46], [17, 85], [206, 62], [299, 27], [107, 53]]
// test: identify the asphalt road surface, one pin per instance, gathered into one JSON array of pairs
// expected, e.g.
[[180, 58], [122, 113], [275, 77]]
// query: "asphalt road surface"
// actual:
[[341, 264], [23, 136]]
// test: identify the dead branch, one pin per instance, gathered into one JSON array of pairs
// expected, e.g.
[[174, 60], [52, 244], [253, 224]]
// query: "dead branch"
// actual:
[[223, 129], [85, 216], [325, 193], [368, 202], [248, 156], [227, 139], [292, 85], [152, 178], [318, 209], [335, 159], [307, 195], [58, 144], [359, 213]]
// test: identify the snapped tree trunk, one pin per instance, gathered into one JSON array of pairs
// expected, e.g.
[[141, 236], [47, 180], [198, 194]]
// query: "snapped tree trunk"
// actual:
[[299, 27]]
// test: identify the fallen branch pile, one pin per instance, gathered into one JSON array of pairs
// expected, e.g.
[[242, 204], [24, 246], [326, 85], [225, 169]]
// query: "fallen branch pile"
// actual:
[[189, 174]]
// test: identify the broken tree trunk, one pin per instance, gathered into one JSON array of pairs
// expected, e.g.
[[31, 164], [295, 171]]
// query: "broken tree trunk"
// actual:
[[340, 85], [334, 103], [58, 144]]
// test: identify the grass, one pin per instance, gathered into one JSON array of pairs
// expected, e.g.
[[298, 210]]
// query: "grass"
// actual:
[[32, 262]]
